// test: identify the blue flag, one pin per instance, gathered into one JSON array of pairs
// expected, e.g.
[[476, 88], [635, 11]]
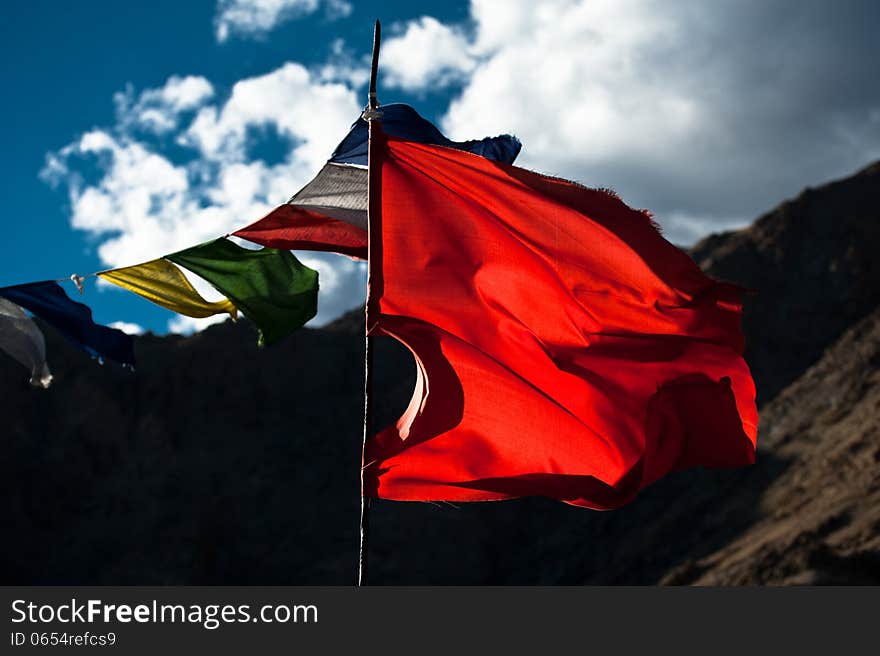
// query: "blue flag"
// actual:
[[403, 122], [49, 302]]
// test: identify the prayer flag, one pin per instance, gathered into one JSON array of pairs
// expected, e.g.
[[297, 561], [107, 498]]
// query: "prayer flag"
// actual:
[[21, 338], [74, 320], [330, 212], [271, 287], [163, 283], [564, 347]]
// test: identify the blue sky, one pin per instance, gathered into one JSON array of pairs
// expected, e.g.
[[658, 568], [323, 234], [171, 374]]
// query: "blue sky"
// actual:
[[705, 115], [62, 64]]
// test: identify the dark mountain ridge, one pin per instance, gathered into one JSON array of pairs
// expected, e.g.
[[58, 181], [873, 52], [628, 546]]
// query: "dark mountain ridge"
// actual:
[[218, 462], [813, 269]]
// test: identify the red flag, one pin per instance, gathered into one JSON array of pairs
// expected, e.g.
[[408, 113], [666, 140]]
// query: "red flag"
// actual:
[[563, 347], [330, 212], [289, 227]]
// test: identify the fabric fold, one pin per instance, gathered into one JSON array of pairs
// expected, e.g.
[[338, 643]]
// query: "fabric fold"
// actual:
[[564, 348], [270, 286], [49, 302], [162, 283], [22, 339], [330, 212]]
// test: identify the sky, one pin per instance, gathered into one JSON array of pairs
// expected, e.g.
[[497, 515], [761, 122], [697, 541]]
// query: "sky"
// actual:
[[132, 130]]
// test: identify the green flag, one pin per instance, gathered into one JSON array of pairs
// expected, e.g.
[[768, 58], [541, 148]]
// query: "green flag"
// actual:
[[271, 287]]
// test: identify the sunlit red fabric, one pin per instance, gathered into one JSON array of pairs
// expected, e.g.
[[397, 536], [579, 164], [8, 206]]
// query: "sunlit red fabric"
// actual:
[[564, 348], [294, 228]]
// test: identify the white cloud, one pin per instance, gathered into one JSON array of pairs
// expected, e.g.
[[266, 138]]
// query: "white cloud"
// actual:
[[182, 325], [342, 283], [570, 78], [159, 110], [710, 111], [180, 93], [427, 53], [336, 9], [343, 66], [306, 110], [146, 203], [128, 328], [254, 18]]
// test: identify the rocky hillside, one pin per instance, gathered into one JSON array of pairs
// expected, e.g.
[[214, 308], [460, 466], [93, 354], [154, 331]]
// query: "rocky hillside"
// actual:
[[812, 267], [217, 462], [820, 516]]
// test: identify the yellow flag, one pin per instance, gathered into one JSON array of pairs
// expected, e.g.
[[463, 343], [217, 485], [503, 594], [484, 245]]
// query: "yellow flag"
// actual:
[[164, 284]]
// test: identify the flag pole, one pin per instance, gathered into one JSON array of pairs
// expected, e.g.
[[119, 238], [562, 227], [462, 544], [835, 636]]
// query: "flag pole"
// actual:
[[370, 113]]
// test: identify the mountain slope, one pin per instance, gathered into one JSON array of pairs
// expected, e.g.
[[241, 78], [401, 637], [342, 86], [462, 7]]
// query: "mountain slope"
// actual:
[[812, 265], [820, 518]]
